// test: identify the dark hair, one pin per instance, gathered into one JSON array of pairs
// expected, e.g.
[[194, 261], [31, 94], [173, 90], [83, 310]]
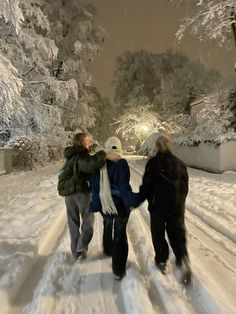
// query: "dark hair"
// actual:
[[78, 138]]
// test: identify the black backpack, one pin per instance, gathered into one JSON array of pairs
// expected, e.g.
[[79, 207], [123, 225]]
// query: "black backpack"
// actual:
[[69, 179]]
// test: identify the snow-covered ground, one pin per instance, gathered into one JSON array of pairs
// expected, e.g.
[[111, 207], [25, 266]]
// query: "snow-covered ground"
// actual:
[[38, 274]]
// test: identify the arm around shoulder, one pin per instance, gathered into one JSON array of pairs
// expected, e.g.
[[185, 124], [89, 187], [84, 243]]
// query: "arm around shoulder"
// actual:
[[92, 163]]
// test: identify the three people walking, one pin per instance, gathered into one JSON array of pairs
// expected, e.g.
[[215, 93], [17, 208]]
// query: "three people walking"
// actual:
[[107, 175]]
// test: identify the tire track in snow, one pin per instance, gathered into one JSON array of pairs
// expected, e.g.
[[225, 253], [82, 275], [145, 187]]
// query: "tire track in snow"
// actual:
[[22, 292], [213, 242], [215, 222], [212, 265], [71, 287], [126, 296]]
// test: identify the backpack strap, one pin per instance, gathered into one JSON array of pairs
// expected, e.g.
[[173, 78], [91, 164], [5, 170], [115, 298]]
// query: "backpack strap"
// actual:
[[75, 166]]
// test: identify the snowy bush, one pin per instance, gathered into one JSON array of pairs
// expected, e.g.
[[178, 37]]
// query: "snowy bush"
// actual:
[[31, 151], [28, 151], [213, 124]]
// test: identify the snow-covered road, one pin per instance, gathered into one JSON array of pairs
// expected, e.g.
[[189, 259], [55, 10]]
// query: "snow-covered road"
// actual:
[[38, 274]]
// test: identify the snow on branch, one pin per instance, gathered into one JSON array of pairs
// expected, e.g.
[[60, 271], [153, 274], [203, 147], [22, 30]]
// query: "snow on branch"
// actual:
[[139, 122], [38, 45], [34, 14], [216, 19], [63, 90], [11, 103], [11, 13]]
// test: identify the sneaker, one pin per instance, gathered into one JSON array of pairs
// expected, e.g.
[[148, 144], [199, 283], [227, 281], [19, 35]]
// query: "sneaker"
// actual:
[[82, 254], [162, 267], [119, 276]]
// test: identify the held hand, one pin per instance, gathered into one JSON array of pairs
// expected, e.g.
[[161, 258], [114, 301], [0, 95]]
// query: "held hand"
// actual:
[[113, 157]]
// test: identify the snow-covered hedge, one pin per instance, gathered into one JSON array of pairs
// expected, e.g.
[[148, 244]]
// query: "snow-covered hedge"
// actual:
[[213, 126], [30, 151]]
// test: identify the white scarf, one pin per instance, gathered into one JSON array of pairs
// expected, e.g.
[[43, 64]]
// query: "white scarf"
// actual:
[[108, 206]]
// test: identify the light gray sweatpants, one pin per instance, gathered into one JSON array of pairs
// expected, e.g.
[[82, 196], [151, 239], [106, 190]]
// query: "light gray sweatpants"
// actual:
[[77, 206]]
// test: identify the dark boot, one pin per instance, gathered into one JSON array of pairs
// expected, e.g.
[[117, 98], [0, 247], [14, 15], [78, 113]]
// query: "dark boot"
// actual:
[[186, 273], [119, 276], [162, 267]]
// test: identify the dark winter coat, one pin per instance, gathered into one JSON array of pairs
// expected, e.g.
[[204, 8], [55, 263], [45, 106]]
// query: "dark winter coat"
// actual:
[[80, 161], [119, 176], [165, 184]]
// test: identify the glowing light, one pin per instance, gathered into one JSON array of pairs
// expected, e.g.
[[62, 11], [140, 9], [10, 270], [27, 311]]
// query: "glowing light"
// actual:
[[143, 128]]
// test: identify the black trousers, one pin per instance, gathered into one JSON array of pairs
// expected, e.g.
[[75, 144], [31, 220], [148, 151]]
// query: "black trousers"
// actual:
[[115, 242], [175, 228]]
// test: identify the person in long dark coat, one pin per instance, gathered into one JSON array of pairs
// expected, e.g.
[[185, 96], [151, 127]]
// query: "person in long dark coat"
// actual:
[[165, 186]]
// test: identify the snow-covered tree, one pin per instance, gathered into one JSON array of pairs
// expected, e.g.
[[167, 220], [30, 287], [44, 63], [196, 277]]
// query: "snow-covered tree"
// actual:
[[136, 123], [104, 114], [44, 46], [215, 19], [11, 102], [139, 73], [185, 85], [168, 80], [11, 14]]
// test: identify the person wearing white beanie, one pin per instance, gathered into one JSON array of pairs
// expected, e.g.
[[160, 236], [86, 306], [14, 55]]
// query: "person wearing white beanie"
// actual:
[[112, 196], [113, 145]]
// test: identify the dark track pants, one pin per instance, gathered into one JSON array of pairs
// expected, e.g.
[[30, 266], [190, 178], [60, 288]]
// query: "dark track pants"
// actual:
[[115, 242], [175, 228]]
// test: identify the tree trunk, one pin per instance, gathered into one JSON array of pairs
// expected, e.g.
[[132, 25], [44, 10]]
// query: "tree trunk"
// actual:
[[233, 23]]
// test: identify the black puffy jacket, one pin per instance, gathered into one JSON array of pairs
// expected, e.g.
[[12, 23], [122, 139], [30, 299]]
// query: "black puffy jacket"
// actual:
[[75, 174], [165, 184]]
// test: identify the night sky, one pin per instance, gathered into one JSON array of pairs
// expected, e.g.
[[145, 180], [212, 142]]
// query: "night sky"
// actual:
[[149, 25]]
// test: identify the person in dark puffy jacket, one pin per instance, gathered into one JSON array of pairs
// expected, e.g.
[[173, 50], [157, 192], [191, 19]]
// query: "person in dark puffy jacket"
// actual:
[[77, 192], [112, 197], [165, 186]]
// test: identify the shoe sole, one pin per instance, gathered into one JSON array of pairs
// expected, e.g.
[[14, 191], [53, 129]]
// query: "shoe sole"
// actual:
[[187, 278], [119, 278]]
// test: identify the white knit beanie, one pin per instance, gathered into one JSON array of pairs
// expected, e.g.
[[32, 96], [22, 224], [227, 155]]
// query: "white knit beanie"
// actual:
[[113, 145]]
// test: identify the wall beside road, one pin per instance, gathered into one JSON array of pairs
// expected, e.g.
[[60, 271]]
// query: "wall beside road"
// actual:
[[207, 157]]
